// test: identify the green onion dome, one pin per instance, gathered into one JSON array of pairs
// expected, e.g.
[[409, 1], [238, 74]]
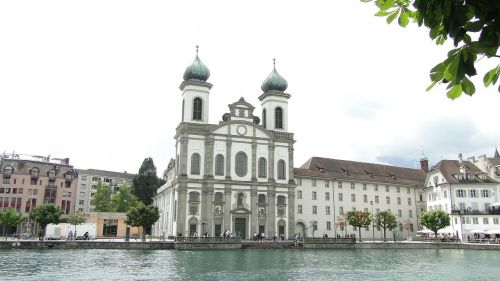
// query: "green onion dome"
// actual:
[[274, 82], [197, 70]]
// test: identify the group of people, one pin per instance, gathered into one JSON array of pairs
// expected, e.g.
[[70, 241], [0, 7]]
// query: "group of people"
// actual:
[[73, 236], [345, 235], [262, 237]]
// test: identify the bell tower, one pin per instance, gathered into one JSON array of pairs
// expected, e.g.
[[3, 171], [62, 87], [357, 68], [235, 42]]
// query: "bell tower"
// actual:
[[274, 101], [195, 92]]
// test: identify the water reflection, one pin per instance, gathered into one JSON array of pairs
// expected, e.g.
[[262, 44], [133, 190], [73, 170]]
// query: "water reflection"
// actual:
[[248, 265]]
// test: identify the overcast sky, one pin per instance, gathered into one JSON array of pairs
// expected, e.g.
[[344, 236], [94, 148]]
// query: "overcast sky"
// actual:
[[98, 81]]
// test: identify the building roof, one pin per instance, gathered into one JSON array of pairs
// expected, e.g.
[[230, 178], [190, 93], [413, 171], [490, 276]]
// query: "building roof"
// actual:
[[274, 82], [360, 171], [104, 173], [494, 161], [451, 168]]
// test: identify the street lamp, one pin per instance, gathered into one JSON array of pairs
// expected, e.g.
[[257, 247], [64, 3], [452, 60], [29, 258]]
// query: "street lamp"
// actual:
[[203, 222], [373, 223]]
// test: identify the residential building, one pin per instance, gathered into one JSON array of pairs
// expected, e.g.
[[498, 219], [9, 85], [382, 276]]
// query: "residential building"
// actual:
[[29, 181], [489, 165], [465, 192], [87, 185], [335, 187]]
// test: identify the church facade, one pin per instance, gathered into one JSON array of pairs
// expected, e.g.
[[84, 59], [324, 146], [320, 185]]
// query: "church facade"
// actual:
[[236, 175]]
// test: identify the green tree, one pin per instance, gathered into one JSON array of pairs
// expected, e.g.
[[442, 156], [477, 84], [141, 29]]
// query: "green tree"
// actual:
[[143, 216], [124, 200], [46, 214], [386, 220], [9, 218], [146, 182], [474, 27], [77, 219], [102, 198], [359, 219], [435, 220]]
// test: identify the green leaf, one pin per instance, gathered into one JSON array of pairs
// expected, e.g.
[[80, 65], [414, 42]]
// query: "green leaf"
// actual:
[[403, 19], [393, 16], [491, 76], [450, 72], [382, 13], [455, 92], [468, 87], [431, 86], [474, 26]]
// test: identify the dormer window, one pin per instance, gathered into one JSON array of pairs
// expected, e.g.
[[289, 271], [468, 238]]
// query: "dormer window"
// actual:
[[8, 170], [35, 172], [52, 174], [470, 177], [344, 171], [483, 177]]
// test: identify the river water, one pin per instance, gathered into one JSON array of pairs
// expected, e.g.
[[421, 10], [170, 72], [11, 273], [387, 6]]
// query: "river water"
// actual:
[[359, 264]]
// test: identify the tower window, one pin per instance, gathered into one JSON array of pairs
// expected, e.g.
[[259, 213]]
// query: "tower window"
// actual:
[[197, 109], [183, 104], [262, 167], [264, 119], [241, 164], [278, 118], [219, 165], [195, 164], [281, 169]]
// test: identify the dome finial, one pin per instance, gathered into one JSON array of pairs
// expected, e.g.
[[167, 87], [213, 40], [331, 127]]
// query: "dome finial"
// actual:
[[274, 63], [197, 50], [197, 70]]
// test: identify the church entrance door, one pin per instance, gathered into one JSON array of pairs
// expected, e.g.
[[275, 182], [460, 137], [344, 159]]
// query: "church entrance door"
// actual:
[[239, 226]]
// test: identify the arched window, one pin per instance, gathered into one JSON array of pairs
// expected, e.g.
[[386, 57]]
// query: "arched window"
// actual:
[[8, 170], [262, 167], [219, 165], [264, 118], [195, 164], [197, 109], [241, 164], [278, 118], [281, 169], [183, 104]]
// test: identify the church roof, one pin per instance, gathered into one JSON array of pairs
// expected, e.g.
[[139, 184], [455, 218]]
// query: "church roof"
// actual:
[[274, 81], [197, 70], [360, 171]]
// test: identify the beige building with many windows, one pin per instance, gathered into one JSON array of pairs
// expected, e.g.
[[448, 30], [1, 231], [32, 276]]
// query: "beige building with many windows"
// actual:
[[328, 188]]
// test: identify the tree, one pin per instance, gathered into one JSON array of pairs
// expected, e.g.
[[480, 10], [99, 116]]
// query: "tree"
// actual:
[[77, 219], [102, 199], [359, 219], [9, 218], [474, 27], [435, 220], [124, 200], [146, 182], [386, 220], [143, 216], [46, 214]]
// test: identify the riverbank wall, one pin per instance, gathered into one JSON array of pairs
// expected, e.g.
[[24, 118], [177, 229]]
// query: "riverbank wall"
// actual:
[[170, 245]]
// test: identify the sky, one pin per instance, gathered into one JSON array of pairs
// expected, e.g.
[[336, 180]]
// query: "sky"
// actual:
[[97, 81]]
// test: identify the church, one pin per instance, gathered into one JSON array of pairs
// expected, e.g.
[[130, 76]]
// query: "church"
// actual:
[[236, 175]]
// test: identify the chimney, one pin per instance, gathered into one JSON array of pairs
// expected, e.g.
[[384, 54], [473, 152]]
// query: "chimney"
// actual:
[[424, 163], [461, 164]]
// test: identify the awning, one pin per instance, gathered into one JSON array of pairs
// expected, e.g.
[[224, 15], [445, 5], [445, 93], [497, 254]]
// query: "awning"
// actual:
[[477, 231], [494, 231], [425, 231]]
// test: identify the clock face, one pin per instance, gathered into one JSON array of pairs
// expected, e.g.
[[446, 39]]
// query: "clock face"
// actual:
[[241, 130]]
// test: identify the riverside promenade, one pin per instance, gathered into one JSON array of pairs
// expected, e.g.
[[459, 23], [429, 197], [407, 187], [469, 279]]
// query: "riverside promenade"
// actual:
[[190, 243]]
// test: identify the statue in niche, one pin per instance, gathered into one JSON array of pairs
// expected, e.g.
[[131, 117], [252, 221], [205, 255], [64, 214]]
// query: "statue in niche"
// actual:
[[240, 200]]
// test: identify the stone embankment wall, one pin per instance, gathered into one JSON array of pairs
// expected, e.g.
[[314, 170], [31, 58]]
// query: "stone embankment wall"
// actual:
[[365, 245], [84, 245]]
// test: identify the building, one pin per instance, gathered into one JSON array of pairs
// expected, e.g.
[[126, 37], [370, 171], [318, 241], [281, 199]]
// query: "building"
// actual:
[[465, 192], [87, 185], [328, 188], [29, 181], [236, 175], [489, 165]]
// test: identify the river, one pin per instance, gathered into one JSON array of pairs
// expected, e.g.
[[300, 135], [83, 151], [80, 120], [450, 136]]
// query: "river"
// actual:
[[359, 264]]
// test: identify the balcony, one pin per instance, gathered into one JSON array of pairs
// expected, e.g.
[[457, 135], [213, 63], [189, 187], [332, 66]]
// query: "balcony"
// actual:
[[476, 212], [283, 135]]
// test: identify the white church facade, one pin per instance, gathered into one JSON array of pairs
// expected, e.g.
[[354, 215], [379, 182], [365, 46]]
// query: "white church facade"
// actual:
[[236, 175]]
